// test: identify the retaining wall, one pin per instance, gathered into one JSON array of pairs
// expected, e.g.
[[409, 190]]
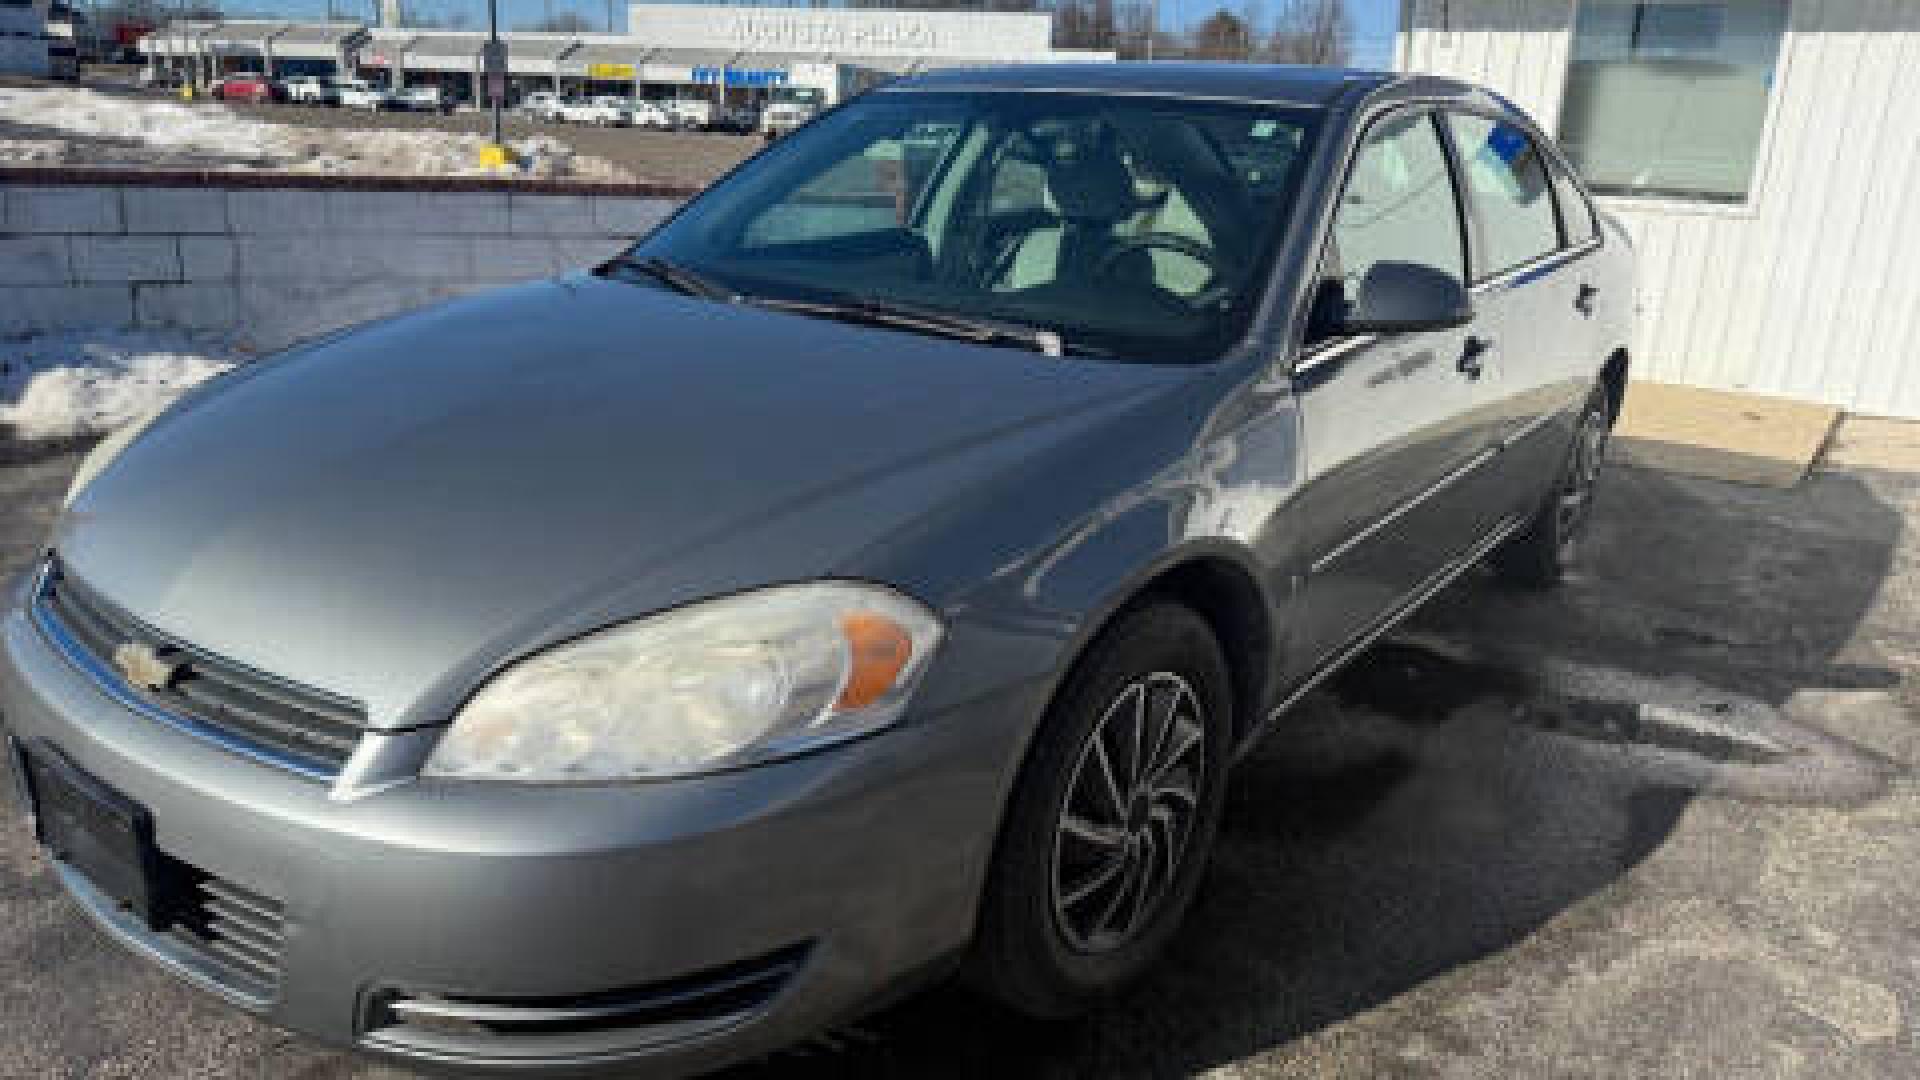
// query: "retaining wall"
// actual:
[[267, 260]]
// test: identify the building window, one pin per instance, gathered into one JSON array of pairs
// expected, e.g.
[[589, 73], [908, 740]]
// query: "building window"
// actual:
[[1667, 98]]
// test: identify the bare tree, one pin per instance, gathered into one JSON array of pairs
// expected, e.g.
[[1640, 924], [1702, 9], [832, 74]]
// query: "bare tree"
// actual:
[[1083, 24], [1222, 36], [562, 22], [1312, 32]]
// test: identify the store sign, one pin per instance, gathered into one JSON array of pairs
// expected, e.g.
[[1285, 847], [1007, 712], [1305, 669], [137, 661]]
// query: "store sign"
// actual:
[[783, 31], [850, 30], [739, 76], [610, 71]]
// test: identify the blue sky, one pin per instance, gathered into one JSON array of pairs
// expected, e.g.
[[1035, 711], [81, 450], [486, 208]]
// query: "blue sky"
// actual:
[[1374, 20]]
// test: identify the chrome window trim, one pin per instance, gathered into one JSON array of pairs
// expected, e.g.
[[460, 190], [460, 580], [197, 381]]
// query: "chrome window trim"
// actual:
[[1326, 352], [1096, 92], [1542, 263], [116, 688]]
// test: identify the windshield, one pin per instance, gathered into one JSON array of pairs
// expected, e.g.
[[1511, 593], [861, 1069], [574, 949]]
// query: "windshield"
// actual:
[[1137, 227]]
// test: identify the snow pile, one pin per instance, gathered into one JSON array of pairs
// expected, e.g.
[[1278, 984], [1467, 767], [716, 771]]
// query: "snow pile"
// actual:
[[91, 382], [161, 132], [32, 152]]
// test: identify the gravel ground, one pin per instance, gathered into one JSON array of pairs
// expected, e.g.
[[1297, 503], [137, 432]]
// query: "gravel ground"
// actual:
[[1659, 823], [688, 159]]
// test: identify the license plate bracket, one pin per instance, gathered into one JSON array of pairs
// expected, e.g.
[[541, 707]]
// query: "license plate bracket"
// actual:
[[101, 834]]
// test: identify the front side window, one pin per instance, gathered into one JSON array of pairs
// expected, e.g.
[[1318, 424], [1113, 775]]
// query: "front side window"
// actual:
[[1134, 227], [1668, 98], [1510, 192], [1398, 206]]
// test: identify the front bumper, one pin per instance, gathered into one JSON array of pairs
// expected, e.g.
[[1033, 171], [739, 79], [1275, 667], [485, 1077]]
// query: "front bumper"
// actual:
[[857, 868]]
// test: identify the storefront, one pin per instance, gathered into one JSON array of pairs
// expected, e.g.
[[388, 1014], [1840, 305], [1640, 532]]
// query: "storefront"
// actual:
[[201, 51], [735, 55]]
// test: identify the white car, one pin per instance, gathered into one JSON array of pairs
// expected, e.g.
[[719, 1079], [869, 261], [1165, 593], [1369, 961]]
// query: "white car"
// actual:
[[361, 94], [692, 113], [422, 99], [789, 108], [312, 90], [650, 114], [597, 111], [542, 105]]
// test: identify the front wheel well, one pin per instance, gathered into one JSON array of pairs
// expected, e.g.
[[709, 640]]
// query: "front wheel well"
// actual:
[[1226, 596]]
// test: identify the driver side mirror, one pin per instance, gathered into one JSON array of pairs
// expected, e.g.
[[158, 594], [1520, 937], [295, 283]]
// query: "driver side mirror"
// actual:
[[1404, 297]]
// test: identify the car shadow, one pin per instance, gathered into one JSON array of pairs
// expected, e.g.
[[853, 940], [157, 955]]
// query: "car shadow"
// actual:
[[1495, 765]]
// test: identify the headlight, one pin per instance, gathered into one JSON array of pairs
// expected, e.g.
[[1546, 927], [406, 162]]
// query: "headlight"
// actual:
[[104, 452], [731, 681]]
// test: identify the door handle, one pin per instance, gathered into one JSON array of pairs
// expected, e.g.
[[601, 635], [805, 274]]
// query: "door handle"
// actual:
[[1583, 300], [1470, 355]]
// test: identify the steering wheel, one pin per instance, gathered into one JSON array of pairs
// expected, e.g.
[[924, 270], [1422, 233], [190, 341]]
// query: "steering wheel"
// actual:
[[1219, 277]]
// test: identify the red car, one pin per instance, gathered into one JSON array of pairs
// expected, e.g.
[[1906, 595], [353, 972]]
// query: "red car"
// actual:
[[247, 87]]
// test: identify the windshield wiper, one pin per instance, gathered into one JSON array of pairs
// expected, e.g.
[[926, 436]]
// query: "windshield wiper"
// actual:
[[890, 313], [674, 276]]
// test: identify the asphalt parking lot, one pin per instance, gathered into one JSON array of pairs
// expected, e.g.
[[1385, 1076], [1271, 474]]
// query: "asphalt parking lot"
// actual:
[[1660, 823]]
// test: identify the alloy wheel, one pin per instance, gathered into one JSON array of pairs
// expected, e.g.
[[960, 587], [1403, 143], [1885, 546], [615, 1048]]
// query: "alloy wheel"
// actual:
[[1131, 804], [1575, 499]]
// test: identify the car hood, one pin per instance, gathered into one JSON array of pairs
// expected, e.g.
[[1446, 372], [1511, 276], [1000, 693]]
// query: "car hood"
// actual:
[[391, 513]]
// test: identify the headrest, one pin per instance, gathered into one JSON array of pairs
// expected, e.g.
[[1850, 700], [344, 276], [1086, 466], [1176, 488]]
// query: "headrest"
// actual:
[[1089, 182]]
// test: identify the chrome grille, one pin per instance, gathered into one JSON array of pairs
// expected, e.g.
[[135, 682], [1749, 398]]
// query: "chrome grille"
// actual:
[[308, 730]]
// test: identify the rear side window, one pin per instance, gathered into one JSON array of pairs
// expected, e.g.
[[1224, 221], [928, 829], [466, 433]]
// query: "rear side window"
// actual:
[[1510, 190], [1398, 205], [1576, 213]]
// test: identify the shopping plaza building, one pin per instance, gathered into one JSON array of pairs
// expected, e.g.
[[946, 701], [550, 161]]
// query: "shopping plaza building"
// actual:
[[668, 50]]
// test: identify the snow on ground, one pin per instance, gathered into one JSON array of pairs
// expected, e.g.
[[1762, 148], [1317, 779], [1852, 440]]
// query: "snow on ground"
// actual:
[[91, 382], [150, 130]]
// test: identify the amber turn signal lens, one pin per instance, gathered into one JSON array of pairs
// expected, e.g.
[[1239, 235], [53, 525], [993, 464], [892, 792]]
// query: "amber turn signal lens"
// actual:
[[880, 649]]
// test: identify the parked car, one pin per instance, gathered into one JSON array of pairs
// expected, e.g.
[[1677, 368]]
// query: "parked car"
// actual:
[[361, 94], [543, 105], [694, 113], [597, 111], [246, 87], [157, 78], [673, 659], [312, 90], [649, 114], [740, 119], [422, 99], [789, 107]]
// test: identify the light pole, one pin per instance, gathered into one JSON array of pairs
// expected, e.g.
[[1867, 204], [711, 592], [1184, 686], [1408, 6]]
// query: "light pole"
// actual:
[[494, 65]]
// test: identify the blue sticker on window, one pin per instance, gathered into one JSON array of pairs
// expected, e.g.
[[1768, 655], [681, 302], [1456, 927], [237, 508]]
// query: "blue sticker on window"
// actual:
[[1507, 143]]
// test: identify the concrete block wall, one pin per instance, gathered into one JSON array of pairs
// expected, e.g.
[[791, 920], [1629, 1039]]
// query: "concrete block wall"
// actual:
[[267, 265]]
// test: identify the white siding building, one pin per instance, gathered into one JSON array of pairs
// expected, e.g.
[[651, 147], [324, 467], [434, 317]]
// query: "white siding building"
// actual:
[[1765, 156]]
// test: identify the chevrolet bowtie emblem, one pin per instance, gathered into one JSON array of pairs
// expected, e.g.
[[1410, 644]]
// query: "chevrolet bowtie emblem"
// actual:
[[144, 667]]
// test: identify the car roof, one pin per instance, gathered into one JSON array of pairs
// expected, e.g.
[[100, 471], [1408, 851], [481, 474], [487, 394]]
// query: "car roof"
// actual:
[[1290, 83]]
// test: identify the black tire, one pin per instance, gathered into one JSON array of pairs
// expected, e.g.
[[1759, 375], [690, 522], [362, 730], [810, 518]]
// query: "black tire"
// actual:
[[1539, 555], [1038, 951]]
